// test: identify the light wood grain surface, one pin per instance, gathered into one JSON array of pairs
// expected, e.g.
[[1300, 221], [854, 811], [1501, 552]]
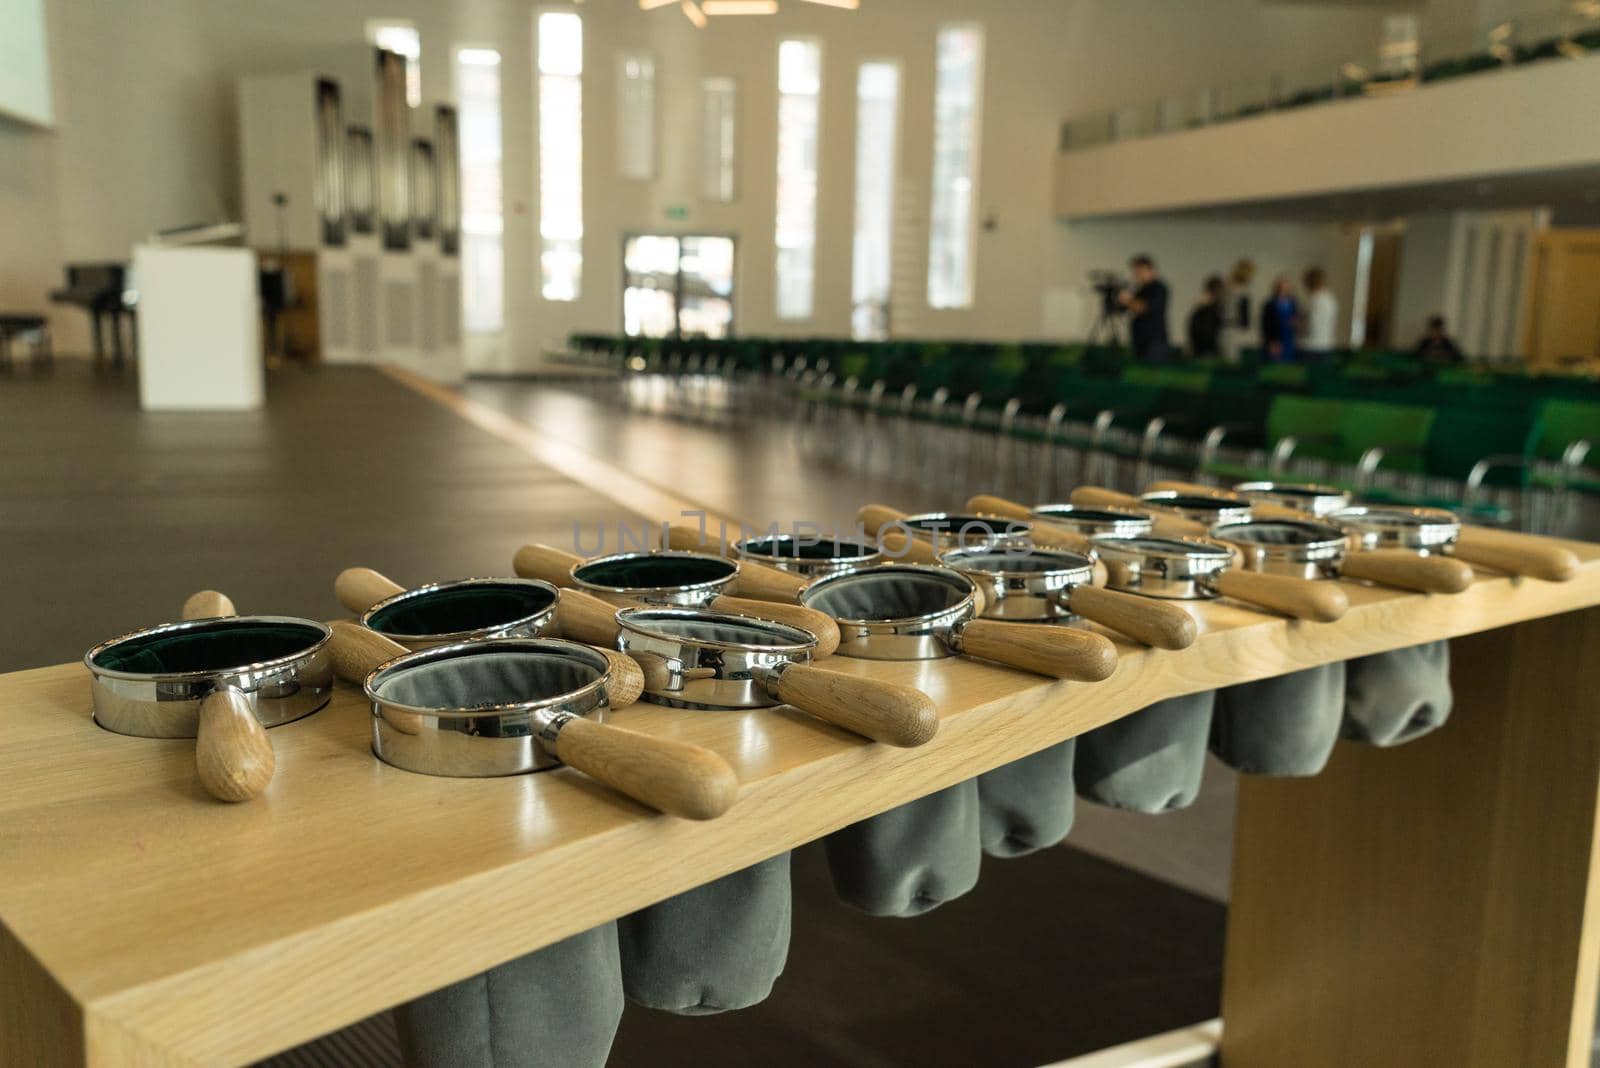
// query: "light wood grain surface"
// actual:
[[164, 916], [142, 922], [1437, 904]]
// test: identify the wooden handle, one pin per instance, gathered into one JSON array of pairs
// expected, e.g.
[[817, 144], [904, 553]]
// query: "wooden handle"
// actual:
[[627, 678], [545, 562], [1059, 652], [874, 517], [670, 776], [768, 583], [1518, 554], [1168, 523], [1161, 624], [586, 618], [986, 504], [232, 753], [691, 540], [884, 712], [208, 604], [359, 588], [898, 548], [1100, 497], [356, 651], [1301, 598], [1258, 509], [1043, 533], [1408, 570], [809, 619], [1172, 485]]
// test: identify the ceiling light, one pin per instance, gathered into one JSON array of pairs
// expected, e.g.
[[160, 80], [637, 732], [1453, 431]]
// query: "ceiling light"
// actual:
[[651, 5], [692, 12], [739, 7]]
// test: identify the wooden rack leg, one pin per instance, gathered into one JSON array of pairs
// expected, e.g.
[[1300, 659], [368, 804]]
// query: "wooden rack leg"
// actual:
[[1438, 903]]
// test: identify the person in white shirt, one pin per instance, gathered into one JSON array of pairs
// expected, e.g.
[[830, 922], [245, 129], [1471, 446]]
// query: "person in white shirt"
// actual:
[[1322, 318]]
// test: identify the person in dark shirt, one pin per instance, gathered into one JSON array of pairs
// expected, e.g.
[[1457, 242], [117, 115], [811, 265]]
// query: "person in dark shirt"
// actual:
[[1436, 346], [1147, 307], [1280, 318], [1205, 321]]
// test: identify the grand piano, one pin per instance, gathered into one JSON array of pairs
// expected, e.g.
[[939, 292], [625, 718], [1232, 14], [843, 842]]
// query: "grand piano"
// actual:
[[102, 290]]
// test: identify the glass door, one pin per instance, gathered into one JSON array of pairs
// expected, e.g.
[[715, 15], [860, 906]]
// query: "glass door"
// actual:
[[676, 286]]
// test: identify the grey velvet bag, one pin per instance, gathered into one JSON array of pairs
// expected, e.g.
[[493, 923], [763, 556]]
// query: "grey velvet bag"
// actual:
[[910, 859], [1150, 761], [557, 1007], [1397, 696], [1029, 803], [1281, 726], [717, 947]]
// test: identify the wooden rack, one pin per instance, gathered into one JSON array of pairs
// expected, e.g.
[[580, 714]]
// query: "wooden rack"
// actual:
[[1432, 904]]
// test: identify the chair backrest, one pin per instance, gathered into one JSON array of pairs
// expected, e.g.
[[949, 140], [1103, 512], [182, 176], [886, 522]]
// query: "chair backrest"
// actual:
[[1314, 420], [1564, 422], [1462, 435], [1401, 429]]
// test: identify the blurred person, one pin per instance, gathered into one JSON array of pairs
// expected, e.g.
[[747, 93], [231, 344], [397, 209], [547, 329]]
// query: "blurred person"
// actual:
[[1236, 309], [1146, 302], [1280, 318], [1205, 321], [1322, 318], [1436, 346]]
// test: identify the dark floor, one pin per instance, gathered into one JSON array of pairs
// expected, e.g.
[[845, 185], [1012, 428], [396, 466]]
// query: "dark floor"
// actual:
[[1002, 978], [1053, 955], [109, 517]]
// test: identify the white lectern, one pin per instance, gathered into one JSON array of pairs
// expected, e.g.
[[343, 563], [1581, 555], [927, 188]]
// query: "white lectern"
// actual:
[[199, 328]]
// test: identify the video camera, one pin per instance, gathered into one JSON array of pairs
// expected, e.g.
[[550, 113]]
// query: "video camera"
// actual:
[[1109, 284]]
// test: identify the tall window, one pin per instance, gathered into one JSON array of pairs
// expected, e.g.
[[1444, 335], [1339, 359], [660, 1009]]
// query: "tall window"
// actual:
[[482, 221], [877, 112], [560, 154], [636, 115], [957, 96], [717, 97], [396, 35], [799, 93]]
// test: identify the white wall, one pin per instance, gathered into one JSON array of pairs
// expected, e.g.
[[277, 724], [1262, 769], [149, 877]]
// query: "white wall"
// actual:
[[1471, 268], [146, 133]]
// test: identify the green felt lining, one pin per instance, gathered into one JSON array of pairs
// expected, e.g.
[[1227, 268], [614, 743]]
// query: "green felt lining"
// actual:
[[655, 572], [218, 645], [456, 609]]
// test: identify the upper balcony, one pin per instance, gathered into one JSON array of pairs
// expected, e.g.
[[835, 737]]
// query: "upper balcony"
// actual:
[[1515, 109]]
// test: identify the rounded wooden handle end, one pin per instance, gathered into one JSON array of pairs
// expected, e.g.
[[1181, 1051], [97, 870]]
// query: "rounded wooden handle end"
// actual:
[[1058, 652], [670, 776], [1517, 554], [895, 715], [359, 588], [1407, 570], [232, 753], [356, 651], [626, 683], [765, 583], [545, 562], [208, 604], [988, 504], [1156, 623], [1319, 601]]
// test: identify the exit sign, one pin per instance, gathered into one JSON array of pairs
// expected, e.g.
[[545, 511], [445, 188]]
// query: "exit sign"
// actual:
[[677, 212]]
